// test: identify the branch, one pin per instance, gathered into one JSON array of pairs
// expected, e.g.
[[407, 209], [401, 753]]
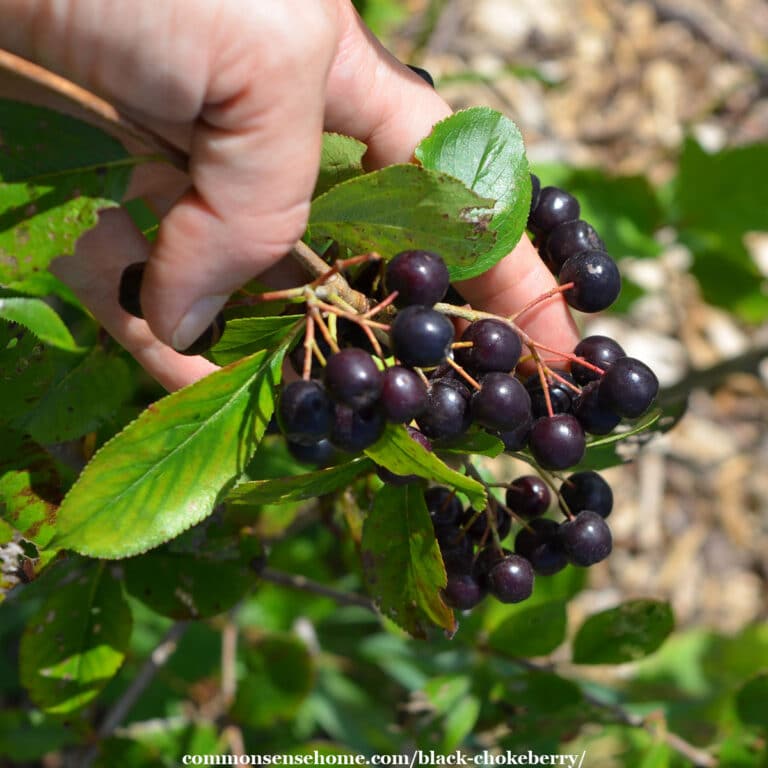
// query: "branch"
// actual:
[[303, 584]]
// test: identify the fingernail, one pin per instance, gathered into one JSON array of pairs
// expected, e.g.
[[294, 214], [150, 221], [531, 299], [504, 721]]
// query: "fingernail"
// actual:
[[197, 319]]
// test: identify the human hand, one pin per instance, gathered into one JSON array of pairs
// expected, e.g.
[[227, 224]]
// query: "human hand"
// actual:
[[246, 90]]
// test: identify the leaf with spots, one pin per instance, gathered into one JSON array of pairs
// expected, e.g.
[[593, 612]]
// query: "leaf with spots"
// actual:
[[56, 173], [38, 317], [404, 571], [76, 642]]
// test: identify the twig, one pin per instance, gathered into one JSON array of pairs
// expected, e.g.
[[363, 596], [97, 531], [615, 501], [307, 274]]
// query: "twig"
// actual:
[[303, 584]]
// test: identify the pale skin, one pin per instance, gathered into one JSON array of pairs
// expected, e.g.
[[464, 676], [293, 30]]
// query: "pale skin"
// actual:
[[247, 89]]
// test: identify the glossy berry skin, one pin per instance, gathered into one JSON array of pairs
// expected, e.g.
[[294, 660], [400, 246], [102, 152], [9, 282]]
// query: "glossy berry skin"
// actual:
[[305, 412], [501, 403], [352, 378], [601, 351], [587, 490], [629, 387], [511, 579], [389, 477], [528, 496], [479, 529], [554, 207], [130, 288], [457, 556], [495, 347], [319, 454], [586, 539], [208, 338], [403, 395], [419, 277], [485, 560], [447, 413], [541, 546], [535, 193], [444, 507], [593, 415], [463, 592], [596, 279], [567, 240], [560, 395], [557, 442], [516, 439], [354, 431], [421, 337]]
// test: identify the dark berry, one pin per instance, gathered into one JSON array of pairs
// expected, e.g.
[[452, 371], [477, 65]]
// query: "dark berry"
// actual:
[[463, 592], [629, 387], [516, 439], [423, 74], [130, 288], [528, 496], [495, 347], [457, 556], [567, 240], [447, 413], [419, 277], [296, 357], [501, 403], [511, 579], [593, 415], [554, 207], [601, 351], [403, 395], [479, 530], [444, 506], [535, 192], [352, 378], [560, 394], [421, 337], [586, 539], [587, 490], [557, 442], [389, 477], [354, 431], [485, 560], [540, 545], [596, 281], [319, 454], [305, 412]]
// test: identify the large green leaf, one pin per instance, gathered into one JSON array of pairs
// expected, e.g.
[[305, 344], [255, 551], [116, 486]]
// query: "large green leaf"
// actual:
[[76, 642], [56, 173], [485, 150], [299, 487], [400, 454], [403, 567], [30, 487], [625, 633], [246, 335], [28, 736], [168, 469], [39, 318], [401, 207], [341, 159], [532, 630], [751, 699]]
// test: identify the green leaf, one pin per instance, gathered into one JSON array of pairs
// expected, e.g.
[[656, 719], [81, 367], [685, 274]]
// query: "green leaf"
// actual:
[[400, 454], [531, 630], [401, 207], [460, 722], [79, 400], [56, 173], [168, 469], [476, 441], [179, 584], [299, 487], [625, 633], [76, 642], [341, 159], [28, 736], [485, 150], [30, 488], [751, 701], [246, 335], [543, 692], [39, 318], [402, 563], [279, 676]]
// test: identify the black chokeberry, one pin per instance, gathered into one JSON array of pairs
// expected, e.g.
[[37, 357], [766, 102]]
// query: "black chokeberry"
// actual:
[[502, 402], [555, 207], [511, 579], [463, 592], [629, 387], [444, 506], [516, 439], [355, 430], [600, 351], [403, 395], [130, 288], [540, 544], [457, 556], [587, 490], [528, 496], [305, 412], [298, 353], [478, 527], [486, 558], [560, 394], [557, 442], [596, 281], [586, 539], [352, 378], [319, 454], [447, 413], [421, 337], [593, 414], [419, 277], [535, 192], [567, 240], [495, 347]]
